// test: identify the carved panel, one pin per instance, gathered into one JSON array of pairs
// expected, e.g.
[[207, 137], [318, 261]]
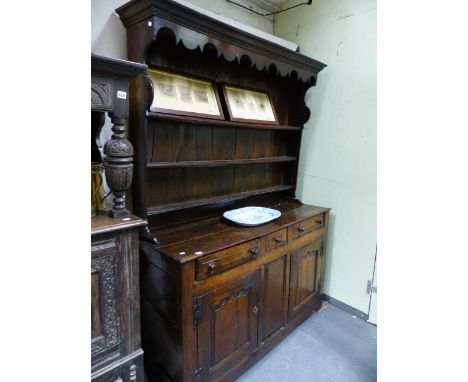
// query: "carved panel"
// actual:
[[119, 178], [119, 148], [101, 95], [96, 329], [104, 268]]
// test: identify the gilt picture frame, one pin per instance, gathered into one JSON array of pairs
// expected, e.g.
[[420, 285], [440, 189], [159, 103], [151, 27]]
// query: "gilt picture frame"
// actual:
[[249, 105], [179, 94]]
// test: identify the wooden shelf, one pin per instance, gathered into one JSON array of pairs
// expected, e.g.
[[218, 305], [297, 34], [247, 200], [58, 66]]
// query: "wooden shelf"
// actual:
[[102, 223], [217, 163], [214, 122], [215, 199]]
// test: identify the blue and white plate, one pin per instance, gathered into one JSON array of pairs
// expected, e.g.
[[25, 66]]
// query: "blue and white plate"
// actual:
[[251, 216]]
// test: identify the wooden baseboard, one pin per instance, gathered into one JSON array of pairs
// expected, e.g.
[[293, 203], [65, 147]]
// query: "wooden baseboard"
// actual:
[[346, 307]]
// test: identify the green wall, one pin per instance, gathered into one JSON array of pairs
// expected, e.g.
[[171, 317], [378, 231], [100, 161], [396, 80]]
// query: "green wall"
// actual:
[[337, 168]]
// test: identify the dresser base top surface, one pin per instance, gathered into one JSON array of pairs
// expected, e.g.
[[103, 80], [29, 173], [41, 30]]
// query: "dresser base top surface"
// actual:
[[189, 241]]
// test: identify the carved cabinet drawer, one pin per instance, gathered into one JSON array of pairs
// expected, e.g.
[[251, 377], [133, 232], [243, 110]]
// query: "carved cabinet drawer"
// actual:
[[276, 239], [227, 259], [308, 225]]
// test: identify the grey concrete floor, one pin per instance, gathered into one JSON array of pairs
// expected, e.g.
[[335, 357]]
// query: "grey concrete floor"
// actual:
[[330, 346]]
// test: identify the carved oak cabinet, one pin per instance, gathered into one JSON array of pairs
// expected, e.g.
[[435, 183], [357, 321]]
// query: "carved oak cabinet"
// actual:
[[215, 297], [116, 354]]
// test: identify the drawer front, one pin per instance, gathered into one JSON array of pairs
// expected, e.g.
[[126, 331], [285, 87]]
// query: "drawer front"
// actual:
[[308, 225], [227, 259], [276, 239]]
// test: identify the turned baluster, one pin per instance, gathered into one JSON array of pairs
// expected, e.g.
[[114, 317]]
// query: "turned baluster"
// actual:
[[118, 166]]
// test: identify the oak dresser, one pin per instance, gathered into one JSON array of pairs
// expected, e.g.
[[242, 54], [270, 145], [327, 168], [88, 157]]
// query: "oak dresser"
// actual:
[[216, 296]]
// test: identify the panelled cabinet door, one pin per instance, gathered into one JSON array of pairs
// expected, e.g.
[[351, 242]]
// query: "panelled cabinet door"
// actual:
[[227, 327], [304, 277], [274, 308], [105, 320]]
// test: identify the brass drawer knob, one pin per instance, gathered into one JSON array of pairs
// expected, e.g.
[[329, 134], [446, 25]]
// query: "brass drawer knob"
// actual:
[[278, 239], [211, 266], [301, 228], [319, 221], [254, 251]]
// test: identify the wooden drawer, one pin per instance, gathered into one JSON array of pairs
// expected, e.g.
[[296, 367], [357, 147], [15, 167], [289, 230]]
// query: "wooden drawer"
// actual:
[[227, 259], [308, 225], [276, 239]]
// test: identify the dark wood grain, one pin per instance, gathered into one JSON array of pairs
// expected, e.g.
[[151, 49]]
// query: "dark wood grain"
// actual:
[[274, 295], [276, 239], [199, 30], [219, 162], [228, 326], [218, 123], [222, 261], [218, 234], [301, 228], [109, 93], [115, 303], [221, 298], [303, 276], [215, 199], [215, 296], [102, 223]]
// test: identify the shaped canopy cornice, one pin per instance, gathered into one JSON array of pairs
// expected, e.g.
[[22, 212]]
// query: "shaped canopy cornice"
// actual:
[[197, 30]]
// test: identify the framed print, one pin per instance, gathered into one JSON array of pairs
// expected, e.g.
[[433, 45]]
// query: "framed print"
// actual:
[[247, 105], [178, 94]]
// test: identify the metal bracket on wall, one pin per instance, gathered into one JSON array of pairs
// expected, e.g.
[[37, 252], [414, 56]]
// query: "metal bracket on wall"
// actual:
[[371, 288]]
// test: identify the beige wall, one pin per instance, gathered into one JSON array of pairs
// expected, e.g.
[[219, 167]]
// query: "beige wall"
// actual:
[[337, 167]]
